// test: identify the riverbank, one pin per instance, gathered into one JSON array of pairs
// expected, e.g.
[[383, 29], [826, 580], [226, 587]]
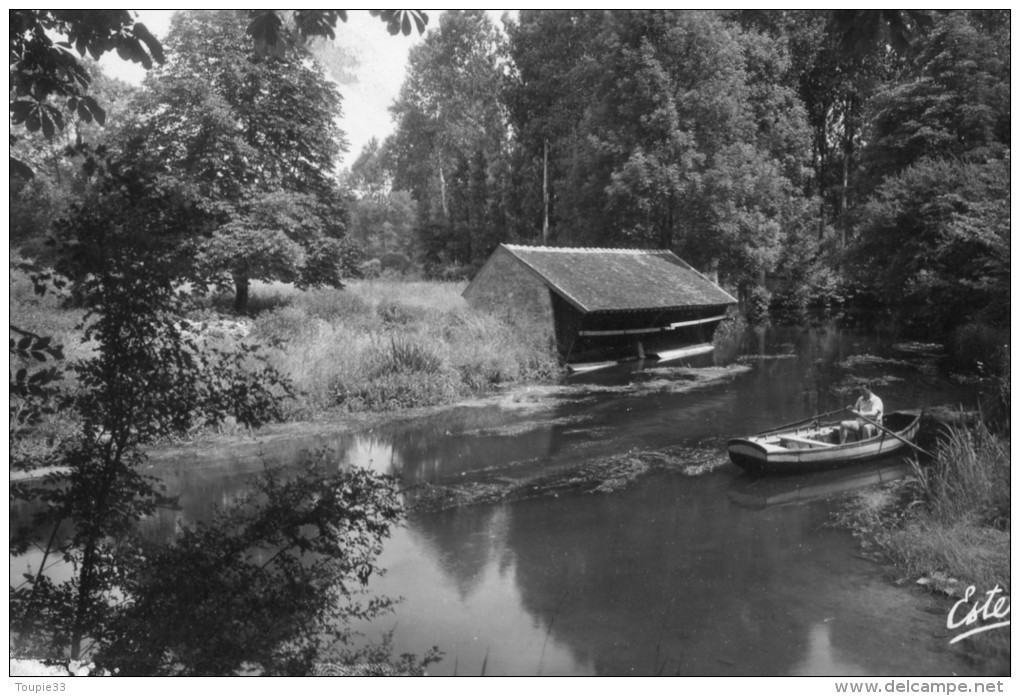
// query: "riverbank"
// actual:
[[388, 345], [374, 347], [946, 529]]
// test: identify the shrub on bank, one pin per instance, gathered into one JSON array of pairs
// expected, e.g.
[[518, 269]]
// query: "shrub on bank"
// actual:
[[977, 347]]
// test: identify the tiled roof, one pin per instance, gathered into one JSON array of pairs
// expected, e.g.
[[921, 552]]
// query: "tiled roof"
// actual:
[[620, 279]]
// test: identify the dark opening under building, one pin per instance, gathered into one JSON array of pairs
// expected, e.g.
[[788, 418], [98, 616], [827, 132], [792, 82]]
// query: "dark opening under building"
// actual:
[[603, 304]]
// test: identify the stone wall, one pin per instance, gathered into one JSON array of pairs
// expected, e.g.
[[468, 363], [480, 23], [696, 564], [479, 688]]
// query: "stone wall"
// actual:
[[506, 288]]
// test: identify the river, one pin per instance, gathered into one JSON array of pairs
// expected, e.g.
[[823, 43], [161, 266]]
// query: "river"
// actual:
[[693, 570]]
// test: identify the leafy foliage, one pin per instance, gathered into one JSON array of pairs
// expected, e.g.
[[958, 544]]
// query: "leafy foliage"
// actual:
[[129, 246], [664, 130], [275, 32], [147, 380], [271, 584], [935, 233], [253, 141], [382, 220], [44, 71], [449, 148], [31, 390], [936, 239], [953, 103]]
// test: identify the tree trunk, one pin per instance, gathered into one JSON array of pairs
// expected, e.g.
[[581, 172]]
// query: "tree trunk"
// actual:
[[442, 192], [545, 192], [666, 231], [240, 294], [82, 601], [842, 197], [849, 134]]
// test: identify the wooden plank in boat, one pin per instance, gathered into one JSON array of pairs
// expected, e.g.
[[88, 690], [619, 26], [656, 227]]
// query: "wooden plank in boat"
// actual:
[[805, 441]]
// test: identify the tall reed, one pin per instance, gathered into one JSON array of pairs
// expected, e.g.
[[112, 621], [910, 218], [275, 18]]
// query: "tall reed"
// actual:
[[970, 477]]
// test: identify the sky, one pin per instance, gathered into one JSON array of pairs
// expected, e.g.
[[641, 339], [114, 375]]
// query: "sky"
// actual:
[[382, 63]]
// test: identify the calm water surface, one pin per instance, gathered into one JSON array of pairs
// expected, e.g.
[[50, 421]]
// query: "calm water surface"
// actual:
[[676, 574]]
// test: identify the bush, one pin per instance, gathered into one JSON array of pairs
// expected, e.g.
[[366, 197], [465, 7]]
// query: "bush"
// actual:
[[370, 269], [979, 348], [216, 602], [395, 262], [406, 356], [756, 304]]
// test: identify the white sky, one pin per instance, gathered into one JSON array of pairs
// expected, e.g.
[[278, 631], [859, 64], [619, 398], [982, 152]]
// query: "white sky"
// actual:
[[382, 64]]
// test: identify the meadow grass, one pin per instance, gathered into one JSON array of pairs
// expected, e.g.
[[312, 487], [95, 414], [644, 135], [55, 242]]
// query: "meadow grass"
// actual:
[[382, 345], [376, 345]]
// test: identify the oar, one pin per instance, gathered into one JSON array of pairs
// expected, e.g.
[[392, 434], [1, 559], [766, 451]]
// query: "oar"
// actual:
[[898, 437], [803, 420]]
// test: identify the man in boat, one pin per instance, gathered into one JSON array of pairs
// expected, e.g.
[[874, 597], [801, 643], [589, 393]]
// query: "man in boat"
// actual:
[[869, 406]]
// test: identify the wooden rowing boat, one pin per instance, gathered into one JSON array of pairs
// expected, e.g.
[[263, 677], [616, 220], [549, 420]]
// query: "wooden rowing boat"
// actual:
[[816, 446]]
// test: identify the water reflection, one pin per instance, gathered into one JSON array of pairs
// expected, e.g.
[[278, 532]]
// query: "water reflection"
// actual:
[[822, 659], [761, 492], [665, 578]]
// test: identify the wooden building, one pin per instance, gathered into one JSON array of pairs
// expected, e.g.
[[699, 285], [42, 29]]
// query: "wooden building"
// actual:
[[603, 305]]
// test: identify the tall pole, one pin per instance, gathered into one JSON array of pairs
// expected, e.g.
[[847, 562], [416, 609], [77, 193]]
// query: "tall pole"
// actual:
[[545, 192]]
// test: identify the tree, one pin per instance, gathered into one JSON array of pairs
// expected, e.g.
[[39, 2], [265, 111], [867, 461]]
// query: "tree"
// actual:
[[544, 104], [936, 237], [128, 244], [838, 60], [49, 82], [934, 232], [58, 175], [271, 583], [147, 379], [954, 102], [256, 141], [449, 148], [382, 220], [44, 71], [676, 131]]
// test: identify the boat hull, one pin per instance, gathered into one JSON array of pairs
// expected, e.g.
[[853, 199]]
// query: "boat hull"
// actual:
[[761, 455]]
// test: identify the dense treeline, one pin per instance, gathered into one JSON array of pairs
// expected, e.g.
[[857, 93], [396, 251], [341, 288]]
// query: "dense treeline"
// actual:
[[802, 156]]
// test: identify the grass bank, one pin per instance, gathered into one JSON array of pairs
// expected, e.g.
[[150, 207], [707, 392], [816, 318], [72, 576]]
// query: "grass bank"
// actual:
[[385, 345], [377, 345], [947, 528]]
